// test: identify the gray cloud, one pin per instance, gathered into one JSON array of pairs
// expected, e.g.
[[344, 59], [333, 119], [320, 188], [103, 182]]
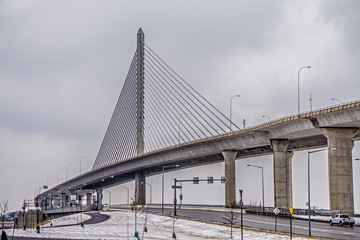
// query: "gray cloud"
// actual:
[[63, 63]]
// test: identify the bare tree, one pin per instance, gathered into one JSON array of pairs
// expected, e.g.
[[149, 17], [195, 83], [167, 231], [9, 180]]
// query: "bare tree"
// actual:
[[4, 210], [146, 213], [136, 210], [231, 217]]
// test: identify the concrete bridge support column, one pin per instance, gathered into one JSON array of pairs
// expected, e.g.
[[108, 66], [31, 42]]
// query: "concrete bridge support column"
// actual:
[[99, 197], [140, 187], [88, 200], [282, 173], [340, 168], [230, 190], [56, 201], [50, 198], [63, 200]]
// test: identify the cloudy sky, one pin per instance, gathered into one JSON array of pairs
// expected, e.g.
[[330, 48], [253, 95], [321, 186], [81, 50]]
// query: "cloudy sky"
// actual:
[[63, 64]]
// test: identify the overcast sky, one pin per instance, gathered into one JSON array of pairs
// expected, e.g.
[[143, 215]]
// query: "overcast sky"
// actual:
[[63, 64]]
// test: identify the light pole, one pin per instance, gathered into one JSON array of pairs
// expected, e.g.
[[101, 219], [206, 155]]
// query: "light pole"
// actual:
[[127, 190], [162, 191], [267, 118], [109, 197], [299, 87], [231, 109], [180, 115], [241, 209], [67, 170], [336, 99], [80, 163], [309, 152], [262, 177], [58, 176], [150, 192], [47, 180]]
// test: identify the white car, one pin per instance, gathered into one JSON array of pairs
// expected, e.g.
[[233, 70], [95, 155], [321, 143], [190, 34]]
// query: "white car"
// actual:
[[342, 219]]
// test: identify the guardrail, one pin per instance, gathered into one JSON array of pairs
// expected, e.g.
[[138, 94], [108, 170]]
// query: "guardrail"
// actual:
[[253, 209]]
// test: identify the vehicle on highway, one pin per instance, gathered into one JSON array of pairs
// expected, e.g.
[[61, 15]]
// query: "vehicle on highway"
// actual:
[[342, 219]]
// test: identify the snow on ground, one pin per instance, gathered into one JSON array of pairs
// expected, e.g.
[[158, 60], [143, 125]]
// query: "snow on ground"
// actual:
[[70, 219], [121, 225]]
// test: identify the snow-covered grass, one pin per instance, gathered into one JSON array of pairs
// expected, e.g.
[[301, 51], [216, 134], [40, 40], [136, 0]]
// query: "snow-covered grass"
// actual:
[[121, 225], [70, 219]]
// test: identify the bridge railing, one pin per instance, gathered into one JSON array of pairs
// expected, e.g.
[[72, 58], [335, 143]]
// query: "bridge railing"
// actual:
[[331, 108]]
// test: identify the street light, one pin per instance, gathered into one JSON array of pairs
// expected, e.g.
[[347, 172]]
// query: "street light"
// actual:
[[180, 115], [150, 192], [267, 118], [80, 163], [109, 196], [162, 191], [299, 87], [309, 152], [262, 177], [336, 99], [58, 176], [127, 190], [231, 109], [67, 170], [47, 180]]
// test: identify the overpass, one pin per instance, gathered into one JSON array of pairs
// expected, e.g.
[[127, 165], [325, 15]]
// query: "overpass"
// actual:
[[122, 156]]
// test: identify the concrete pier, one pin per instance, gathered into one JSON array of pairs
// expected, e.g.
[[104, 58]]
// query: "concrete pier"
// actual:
[[282, 161], [140, 187], [230, 190], [340, 168], [99, 197], [88, 199]]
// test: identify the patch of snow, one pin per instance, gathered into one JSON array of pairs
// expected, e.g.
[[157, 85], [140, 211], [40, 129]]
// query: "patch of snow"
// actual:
[[70, 219], [121, 225]]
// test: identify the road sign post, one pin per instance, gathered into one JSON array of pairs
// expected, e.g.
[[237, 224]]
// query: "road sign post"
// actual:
[[291, 212], [276, 212]]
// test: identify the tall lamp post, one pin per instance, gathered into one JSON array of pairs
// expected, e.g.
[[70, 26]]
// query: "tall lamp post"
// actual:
[[309, 152], [180, 126], [109, 196], [299, 87], [336, 99], [231, 109], [47, 180], [267, 118], [127, 190], [162, 191], [67, 170], [80, 163], [58, 176], [150, 192], [262, 177]]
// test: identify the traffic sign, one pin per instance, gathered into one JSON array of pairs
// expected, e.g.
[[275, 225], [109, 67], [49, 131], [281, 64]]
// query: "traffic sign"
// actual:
[[291, 210], [276, 211]]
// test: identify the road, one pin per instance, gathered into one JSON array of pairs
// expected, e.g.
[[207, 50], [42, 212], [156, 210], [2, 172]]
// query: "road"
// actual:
[[319, 229]]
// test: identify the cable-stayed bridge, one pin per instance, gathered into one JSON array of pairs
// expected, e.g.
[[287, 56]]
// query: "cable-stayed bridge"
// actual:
[[160, 120]]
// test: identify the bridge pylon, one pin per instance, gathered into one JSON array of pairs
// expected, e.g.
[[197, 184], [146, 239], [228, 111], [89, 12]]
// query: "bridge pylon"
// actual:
[[140, 177]]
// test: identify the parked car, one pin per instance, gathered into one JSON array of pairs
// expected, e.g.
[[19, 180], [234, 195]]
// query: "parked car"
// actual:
[[342, 219]]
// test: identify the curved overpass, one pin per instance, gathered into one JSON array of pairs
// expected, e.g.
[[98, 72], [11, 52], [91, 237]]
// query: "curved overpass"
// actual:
[[280, 137]]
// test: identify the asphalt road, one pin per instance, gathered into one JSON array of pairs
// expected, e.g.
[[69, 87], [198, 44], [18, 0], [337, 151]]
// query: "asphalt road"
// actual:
[[320, 229]]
